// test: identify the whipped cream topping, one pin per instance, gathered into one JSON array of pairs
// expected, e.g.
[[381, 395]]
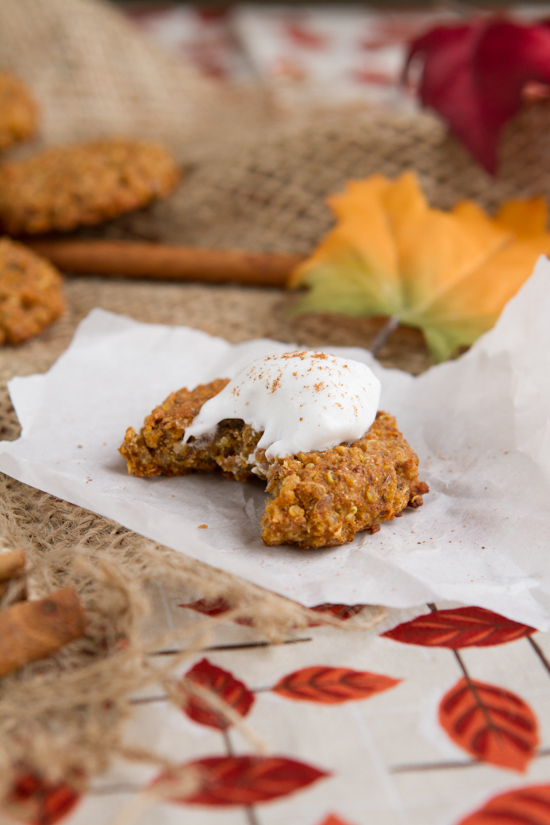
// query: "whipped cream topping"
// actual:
[[301, 401]]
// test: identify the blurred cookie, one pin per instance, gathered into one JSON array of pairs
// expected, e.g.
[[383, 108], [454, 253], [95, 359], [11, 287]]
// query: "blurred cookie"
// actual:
[[70, 186], [30, 293], [18, 112]]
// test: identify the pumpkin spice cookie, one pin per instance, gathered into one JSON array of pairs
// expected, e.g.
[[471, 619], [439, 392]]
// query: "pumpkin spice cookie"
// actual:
[[85, 184], [30, 293], [322, 495], [18, 112]]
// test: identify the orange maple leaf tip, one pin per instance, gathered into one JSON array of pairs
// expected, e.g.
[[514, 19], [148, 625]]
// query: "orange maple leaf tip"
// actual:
[[447, 273]]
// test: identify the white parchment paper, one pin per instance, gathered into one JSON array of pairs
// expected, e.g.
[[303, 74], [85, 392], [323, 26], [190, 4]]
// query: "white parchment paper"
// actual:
[[480, 424]]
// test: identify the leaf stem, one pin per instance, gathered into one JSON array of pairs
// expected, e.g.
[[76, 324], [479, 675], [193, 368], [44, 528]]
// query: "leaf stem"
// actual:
[[544, 661], [383, 336]]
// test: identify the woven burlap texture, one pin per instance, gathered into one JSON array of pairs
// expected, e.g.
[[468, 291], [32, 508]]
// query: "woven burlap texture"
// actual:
[[252, 179]]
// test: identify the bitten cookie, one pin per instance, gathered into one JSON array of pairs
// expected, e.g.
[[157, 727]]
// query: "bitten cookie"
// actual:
[[30, 293], [70, 186], [321, 498], [18, 111]]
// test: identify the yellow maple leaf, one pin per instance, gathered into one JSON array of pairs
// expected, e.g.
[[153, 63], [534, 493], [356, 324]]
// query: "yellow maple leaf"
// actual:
[[447, 273]]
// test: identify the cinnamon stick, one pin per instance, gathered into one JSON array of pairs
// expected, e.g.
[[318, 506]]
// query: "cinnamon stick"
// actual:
[[139, 259], [12, 566], [32, 630]]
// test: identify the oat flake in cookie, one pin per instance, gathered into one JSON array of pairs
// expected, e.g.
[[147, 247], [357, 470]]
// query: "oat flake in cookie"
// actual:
[[30, 293], [70, 186], [321, 497], [18, 111]]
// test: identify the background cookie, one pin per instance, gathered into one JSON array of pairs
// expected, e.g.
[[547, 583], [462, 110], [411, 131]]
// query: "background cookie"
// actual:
[[30, 293], [69, 186], [18, 113]]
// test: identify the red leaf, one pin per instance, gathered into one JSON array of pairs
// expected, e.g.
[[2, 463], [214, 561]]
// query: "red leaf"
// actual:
[[332, 685], [246, 780], [492, 724], [209, 607], [215, 607], [523, 806], [474, 75], [373, 78], [36, 802], [338, 611], [459, 627], [331, 819], [302, 36], [233, 692]]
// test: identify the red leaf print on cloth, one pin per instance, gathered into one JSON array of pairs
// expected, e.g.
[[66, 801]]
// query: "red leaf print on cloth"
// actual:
[[338, 611], [300, 35], [524, 806], [35, 802], [246, 780], [460, 627], [332, 685], [224, 685], [331, 819], [217, 607], [492, 724], [209, 607]]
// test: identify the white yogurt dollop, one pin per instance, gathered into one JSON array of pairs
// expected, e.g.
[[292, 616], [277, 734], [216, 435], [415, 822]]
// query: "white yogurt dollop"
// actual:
[[301, 401]]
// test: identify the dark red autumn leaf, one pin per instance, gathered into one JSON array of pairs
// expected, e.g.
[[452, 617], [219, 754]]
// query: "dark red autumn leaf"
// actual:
[[459, 627], [332, 685], [523, 806], [224, 685], [474, 76], [36, 802], [246, 780], [492, 724]]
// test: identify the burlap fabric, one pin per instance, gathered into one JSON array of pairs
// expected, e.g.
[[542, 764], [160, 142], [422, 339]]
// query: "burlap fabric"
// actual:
[[252, 179]]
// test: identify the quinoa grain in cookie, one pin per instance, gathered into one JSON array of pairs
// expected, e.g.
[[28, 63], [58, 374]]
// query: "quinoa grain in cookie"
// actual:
[[18, 112], [30, 293], [70, 186]]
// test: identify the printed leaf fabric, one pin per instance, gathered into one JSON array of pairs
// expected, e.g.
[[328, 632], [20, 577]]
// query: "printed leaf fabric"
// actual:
[[339, 611], [246, 780], [491, 723], [209, 607], [523, 806], [224, 685], [36, 802], [219, 606], [448, 274], [458, 628], [332, 685]]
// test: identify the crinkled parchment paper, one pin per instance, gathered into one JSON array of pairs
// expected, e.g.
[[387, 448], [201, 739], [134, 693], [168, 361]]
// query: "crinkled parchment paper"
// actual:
[[480, 424]]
